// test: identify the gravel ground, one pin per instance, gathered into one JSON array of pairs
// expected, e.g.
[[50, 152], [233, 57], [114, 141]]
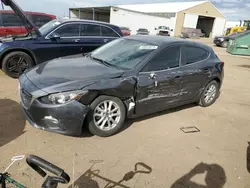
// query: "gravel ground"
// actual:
[[215, 157]]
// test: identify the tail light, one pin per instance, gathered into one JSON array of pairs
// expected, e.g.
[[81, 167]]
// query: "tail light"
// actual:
[[222, 64]]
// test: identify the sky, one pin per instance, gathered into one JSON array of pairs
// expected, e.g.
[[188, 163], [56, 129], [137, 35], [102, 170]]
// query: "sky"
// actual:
[[232, 9]]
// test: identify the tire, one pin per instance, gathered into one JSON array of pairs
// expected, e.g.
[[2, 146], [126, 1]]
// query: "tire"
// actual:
[[11, 60], [92, 120], [205, 103], [224, 44]]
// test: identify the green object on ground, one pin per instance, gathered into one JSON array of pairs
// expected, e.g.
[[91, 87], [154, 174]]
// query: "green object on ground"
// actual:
[[7, 179], [239, 44]]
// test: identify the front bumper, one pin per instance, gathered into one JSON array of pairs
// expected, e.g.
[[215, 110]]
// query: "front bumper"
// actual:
[[64, 119]]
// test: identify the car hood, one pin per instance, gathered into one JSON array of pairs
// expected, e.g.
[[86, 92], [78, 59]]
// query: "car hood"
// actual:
[[70, 73], [30, 26]]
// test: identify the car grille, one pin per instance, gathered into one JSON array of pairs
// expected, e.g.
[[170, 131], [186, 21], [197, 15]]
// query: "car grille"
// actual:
[[26, 98]]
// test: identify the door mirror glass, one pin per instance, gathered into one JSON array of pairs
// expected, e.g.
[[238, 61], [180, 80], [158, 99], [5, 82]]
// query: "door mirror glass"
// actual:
[[171, 30], [54, 36]]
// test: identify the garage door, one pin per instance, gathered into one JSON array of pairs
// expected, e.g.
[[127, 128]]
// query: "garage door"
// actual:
[[190, 20], [218, 28]]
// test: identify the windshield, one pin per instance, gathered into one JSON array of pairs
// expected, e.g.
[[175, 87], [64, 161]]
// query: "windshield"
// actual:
[[124, 28], [247, 23], [49, 26], [124, 53], [143, 30], [163, 27]]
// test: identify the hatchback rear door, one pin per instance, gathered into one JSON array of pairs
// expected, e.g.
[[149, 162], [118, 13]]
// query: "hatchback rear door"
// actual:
[[159, 82], [195, 71]]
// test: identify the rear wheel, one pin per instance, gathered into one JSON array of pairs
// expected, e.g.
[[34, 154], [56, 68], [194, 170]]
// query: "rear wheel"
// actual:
[[106, 116], [15, 63], [209, 94]]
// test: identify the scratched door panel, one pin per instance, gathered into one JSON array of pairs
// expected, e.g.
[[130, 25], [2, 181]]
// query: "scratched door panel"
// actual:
[[195, 72], [157, 94]]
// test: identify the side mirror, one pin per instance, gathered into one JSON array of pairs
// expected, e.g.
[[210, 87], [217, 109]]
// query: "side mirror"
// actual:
[[171, 30], [54, 36], [155, 28]]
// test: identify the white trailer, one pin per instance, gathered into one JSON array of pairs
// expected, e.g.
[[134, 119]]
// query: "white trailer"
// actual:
[[135, 20], [122, 17]]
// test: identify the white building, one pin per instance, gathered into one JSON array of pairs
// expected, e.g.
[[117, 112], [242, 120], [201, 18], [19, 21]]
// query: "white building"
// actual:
[[178, 15]]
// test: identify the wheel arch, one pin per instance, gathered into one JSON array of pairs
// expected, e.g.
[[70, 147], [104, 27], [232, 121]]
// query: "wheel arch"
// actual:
[[218, 80], [31, 54]]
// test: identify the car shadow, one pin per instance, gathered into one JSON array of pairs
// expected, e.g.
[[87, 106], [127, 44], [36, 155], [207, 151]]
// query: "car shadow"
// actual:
[[89, 178], [12, 122], [215, 177], [130, 122]]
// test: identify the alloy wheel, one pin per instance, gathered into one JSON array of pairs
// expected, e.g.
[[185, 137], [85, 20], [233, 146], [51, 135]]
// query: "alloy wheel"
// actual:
[[210, 94], [17, 64], [107, 115]]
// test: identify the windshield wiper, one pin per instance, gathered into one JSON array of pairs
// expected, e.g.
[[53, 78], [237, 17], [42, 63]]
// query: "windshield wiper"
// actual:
[[100, 60]]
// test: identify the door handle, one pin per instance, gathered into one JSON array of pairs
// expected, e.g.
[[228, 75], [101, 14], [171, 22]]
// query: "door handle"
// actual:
[[76, 40], [176, 77], [105, 40]]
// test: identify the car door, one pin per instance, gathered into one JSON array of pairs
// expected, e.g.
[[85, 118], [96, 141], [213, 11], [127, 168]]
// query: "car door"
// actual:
[[95, 35], [90, 37], [108, 34], [69, 41], [194, 70], [159, 82], [11, 25]]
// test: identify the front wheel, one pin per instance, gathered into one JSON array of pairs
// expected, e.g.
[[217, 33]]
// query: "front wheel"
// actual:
[[210, 94], [106, 116], [15, 63], [224, 44]]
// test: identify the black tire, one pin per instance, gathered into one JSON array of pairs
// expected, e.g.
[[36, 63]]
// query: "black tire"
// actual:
[[205, 103], [93, 128], [13, 59], [224, 44]]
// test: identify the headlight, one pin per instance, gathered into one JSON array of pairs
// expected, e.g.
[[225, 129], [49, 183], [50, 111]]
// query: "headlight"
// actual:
[[62, 98]]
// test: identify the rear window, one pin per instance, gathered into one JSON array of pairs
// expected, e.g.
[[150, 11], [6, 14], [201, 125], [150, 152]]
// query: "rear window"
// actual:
[[193, 54], [90, 30], [11, 20], [107, 32], [143, 30]]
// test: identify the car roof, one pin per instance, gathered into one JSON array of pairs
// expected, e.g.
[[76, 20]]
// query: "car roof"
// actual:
[[87, 21], [165, 41]]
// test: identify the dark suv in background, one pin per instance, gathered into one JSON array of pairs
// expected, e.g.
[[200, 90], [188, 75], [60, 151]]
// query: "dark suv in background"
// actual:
[[55, 39], [10, 23]]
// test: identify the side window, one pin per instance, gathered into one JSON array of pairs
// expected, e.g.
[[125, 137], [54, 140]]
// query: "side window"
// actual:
[[40, 20], [193, 54], [11, 20], [68, 30], [168, 58], [107, 32], [90, 30]]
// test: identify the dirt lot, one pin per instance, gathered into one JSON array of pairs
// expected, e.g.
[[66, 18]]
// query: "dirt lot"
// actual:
[[156, 141]]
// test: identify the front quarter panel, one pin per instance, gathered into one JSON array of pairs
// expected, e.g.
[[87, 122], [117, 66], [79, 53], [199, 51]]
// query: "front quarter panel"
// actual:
[[122, 87]]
